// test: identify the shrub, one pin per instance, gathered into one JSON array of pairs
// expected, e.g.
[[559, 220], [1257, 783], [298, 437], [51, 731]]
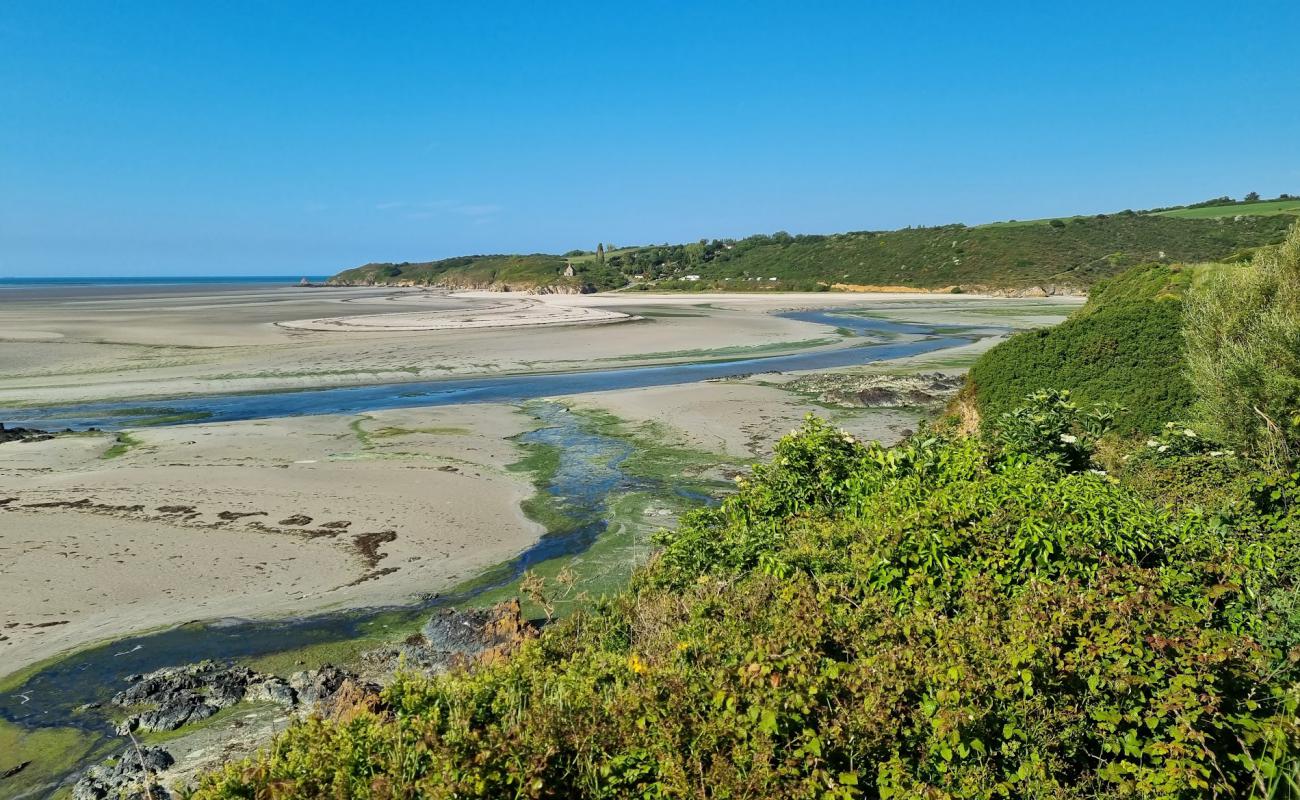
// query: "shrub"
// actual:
[[1123, 348], [1051, 427], [938, 619], [1242, 333]]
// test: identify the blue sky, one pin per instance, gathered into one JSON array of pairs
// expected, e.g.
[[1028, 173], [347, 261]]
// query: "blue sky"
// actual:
[[287, 138]]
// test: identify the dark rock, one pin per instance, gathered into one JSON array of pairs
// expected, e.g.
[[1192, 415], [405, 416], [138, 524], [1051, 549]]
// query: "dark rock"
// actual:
[[23, 434], [315, 686], [131, 775], [14, 770], [182, 695], [453, 636], [296, 519]]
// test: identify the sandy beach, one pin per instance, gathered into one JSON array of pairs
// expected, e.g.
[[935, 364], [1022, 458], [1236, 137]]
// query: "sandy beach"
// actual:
[[101, 536]]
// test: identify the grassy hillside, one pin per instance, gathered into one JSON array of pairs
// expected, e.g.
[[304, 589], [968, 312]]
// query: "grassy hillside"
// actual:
[[1289, 205], [1076, 253], [1124, 347], [495, 271], [1073, 253]]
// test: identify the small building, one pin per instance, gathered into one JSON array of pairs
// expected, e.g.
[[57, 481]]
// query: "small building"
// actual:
[[568, 271]]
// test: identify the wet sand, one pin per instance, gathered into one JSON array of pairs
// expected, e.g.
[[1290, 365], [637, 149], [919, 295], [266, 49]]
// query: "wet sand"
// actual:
[[205, 341]]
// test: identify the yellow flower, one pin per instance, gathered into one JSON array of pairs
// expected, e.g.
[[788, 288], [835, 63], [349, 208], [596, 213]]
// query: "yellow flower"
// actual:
[[635, 664]]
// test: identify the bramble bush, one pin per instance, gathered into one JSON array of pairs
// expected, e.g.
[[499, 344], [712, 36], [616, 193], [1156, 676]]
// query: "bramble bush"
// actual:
[[979, 617]]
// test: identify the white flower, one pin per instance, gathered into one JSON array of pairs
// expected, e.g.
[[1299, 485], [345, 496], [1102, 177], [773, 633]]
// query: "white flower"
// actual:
[[1068, 439], [1162, 448], [1189, 432], [1100, 472], [1153, 443]]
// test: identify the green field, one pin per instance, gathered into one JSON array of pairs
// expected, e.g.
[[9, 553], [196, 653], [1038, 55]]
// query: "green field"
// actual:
[[1263, 208]]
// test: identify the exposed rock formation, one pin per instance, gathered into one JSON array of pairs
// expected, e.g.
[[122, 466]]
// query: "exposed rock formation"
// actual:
[[23, 434], [188, 694], [130, 776], [457, 636], [879, 391]]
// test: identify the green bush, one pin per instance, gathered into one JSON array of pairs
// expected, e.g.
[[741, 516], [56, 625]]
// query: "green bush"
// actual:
[[1242, 334], [1123, 348], [942, 619]]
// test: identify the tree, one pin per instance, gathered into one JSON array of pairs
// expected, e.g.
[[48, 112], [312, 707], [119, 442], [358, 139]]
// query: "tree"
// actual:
[[1252, 197], [600, 252]]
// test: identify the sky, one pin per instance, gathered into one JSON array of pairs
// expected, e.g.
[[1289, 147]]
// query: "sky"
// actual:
[[175, 138]]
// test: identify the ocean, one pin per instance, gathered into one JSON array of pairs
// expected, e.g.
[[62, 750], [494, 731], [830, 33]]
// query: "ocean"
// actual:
[[166, 280]]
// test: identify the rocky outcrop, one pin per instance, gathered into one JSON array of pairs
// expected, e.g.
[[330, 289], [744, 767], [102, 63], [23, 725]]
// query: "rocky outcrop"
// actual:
[[173, 697], [131, 775], [453, 637], [180, 696], [23, 434], [1045, 290], [850, 390]]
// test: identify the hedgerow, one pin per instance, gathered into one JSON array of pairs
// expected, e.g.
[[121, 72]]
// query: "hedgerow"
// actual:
[[948, 618]]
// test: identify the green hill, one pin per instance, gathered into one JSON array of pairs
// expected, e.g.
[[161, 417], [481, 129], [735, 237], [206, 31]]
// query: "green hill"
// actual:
[[498, 272], [1290, 205], [1070, 254], [1125, 347], [1074, 254]]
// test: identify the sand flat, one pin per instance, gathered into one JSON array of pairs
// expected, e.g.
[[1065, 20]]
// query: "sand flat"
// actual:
[[205, 341], [250, 519]]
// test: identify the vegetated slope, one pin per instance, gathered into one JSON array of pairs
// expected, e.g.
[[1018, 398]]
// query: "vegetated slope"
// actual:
[[1282, 205], [952, 617], [501, 272], [1068, 254], [1124, 347], [1073, 254]]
